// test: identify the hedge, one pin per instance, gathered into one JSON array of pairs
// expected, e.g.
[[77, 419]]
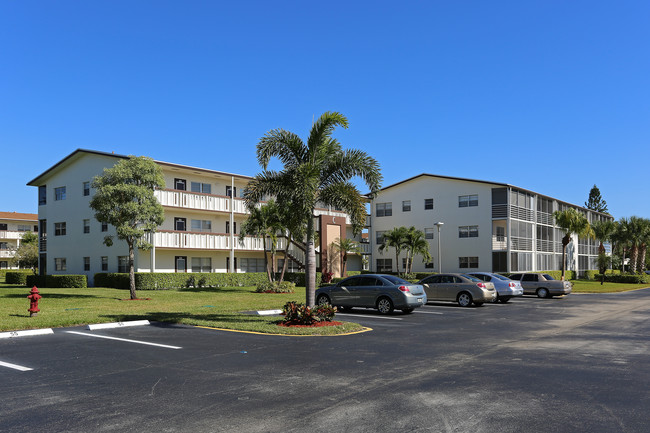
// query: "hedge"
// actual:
[[625, 278], [17, 277], [169, 280], [62, 281]]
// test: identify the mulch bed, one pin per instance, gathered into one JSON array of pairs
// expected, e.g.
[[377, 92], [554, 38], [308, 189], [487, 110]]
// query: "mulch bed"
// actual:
[[315, 325]]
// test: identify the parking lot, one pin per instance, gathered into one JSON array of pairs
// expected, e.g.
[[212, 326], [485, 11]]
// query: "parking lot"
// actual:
[[579, 363]]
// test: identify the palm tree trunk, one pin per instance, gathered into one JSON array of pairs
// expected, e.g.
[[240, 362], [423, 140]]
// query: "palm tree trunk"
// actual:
[[310, 265], [565, 242], [634, 256], [266, 259], [397, 260], [641, 259], [131, 270], [286, 258]]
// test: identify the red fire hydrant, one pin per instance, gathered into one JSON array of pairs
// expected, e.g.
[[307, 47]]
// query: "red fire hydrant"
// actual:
[[33, 302]]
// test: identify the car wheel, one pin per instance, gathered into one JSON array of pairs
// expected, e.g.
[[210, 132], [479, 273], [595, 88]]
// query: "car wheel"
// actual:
[[385, 305], [323, 300], [464, 299], [542, 292], [505, 299], [407, 310]]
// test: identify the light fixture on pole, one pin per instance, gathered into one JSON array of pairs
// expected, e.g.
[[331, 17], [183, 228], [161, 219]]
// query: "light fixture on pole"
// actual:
[[438, 224]]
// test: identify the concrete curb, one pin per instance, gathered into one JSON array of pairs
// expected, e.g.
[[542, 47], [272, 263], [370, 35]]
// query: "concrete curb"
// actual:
[[268, 312], [117, 324], [26, 333]]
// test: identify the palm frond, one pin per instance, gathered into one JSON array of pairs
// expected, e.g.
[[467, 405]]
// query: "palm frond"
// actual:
[[284, 145], [323, 128]]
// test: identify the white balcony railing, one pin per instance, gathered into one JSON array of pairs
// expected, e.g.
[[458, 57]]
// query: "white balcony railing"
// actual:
[[204, 241], [365, 247], [4, 234], [499, 243], [333, 213], [4, 254], [189, 200]]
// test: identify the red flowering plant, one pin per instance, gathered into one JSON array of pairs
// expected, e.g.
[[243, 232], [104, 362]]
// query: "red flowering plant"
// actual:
[[300, 314]]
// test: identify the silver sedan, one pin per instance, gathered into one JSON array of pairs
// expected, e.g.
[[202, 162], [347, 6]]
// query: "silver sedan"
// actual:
[[505, 287], [461, 288]]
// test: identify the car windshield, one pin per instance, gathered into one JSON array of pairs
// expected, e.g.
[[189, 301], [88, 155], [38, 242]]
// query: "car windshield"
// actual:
[[395, 280], [501, 277], [472, 279], [548, 277]]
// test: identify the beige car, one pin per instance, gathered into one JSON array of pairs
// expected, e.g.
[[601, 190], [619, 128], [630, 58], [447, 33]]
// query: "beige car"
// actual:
[[542, 285], [461, 288]]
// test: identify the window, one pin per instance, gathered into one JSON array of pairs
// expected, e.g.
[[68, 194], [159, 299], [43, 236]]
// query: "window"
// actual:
[[229, 191], [180, 264], [104, 263], [428, 265], [468, 231], [4, 264], [428, 233], [4, 246], [406, 206], [59, 264], [59, 193], [180, 184], [35, 229], [379, 237], [467, 262], [42, 195], [3, 227], [228, 264], [86, 188], [234, 227], [252, 265], [384, 265], [180, 224], [530, 277], [205, 188], [86, 226], [104, 227], [384, 209], [123, 264], [428, 203], [86, 263], [201, 264], [467, 200], [24, 228], [59, 229], [201, 226]]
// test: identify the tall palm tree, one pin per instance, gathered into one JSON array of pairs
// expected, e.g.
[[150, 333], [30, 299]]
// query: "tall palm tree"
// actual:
[[416, 244], [603, 231], [643, 235], [316, 172], [395, 238], [621, 238], [264, 221], [345, 247], [571, 221], [637, 228]]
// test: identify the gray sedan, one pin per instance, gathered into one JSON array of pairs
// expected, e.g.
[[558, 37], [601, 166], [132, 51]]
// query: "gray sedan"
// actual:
[[461, 288], [542, 285], [505, 287], [383, 292]]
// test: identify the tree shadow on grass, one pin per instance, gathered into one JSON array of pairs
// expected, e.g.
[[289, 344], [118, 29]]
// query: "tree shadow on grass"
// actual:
[[53, 296], [217, 289], [177, 317]]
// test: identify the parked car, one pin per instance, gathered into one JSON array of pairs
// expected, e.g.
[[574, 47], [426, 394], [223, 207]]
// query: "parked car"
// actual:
[[383, 292], [542, 285], [461, 288], [505, 287]]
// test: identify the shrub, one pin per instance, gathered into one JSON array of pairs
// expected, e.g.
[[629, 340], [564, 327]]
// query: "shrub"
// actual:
[[626, 278], [276, 287], [326, 277], [300, 314], [590, 275], [17, 277], [61, 281]]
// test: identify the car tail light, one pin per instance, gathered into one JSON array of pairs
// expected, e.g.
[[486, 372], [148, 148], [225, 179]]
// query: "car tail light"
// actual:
[[403, 289], [481, 285], [512, 285]]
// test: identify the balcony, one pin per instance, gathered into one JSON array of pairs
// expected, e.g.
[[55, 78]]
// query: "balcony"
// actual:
[[333, 213], [204, 241], [190, 200], [6, 254], [499, 243], [4, 234]]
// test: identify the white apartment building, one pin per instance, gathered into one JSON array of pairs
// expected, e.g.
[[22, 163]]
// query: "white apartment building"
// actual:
[[13, 226], [204, 212], [486, 226]]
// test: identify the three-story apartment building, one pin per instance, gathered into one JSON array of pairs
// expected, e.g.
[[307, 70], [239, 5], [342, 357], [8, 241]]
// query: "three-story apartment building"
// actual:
[[13, 226], [204, 212], [487, 226]]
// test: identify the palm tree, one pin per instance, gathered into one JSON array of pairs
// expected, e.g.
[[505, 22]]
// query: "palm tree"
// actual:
[[621, 238], [344, 247], [643, 237], [571, 221], [264, 222], [416, 244], [316, 172], [395, 238], [637, 232], [603, 231]]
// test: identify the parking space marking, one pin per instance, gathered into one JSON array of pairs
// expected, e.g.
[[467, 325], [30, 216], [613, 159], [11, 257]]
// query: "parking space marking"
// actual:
[[369, 317], [124, 339], [429, 312], [14, 366]]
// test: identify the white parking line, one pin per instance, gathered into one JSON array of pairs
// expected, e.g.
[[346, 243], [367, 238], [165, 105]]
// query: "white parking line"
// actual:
[[124, 339], [14, 366], [369, 317], [428, 312]]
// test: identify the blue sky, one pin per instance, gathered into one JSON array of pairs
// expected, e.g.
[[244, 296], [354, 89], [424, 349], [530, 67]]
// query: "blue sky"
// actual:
[[551, 96]]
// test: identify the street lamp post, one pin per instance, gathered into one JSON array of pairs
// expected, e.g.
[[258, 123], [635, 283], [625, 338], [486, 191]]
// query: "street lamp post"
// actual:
[[438, 224]]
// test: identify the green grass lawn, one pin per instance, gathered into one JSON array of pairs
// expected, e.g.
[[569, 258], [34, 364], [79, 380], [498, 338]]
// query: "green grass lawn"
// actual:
[[588, 286], [211, 307]]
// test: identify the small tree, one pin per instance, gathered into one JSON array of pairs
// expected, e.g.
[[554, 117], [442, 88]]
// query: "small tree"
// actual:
[[571, 221], [595, 201], [264, 221], [124, 198], [26, 255], [344, 247], [416, 244], [395, 238]]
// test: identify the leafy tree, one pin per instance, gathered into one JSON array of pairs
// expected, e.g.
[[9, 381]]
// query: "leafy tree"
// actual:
[[264, 221], [345, 246], [124, 198], [416, 244], [595, 201], [395, 238], [26, 255], [316, 172], [571, 221]]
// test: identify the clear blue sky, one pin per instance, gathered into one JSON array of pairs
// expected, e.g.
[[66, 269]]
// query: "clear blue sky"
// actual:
[[551, 96]]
